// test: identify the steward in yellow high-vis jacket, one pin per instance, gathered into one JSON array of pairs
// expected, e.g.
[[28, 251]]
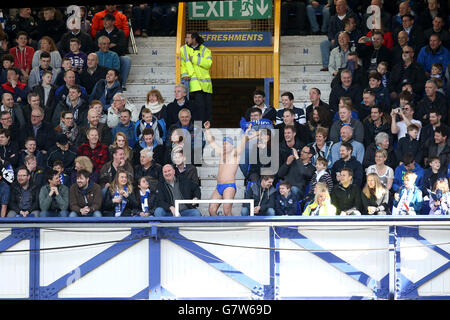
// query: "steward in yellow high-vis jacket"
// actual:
[[196, 60]]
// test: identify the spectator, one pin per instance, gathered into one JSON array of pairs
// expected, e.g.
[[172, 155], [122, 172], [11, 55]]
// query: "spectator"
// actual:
[[348, 89], [432, 100], [335, 26], [384, 172], [180, 102], [9, 150], [268, 112], [23, 201], [406, 114], [23, 55], [105, 89], [316, 101], [22, 22], [382, 69], [19, 90], [46, 92], [297, 170], [386, 17], [408, 198], [155, 102], [438, 147], [85, 23], [75, 104], [93, 121], [145, 197], [77, 57], [434, 118], [68, 128], [183, 169], [13, 109], [302, 133], [121, 141], [118, 44], [375, 123], [339, 55], [410, 144], [85, 164], [126, 126], [175, 188], [403, 8], [62, 92], [433, 174], [346, 160], [4, 196], [322, 203], [7, 63], [359, 74], [319, 7], [432, 53], [149, 120], [142, 19], [106, 57], [195, 68], [346, 195], [185, 123], [287, 100], [94, 150], [62, 153], [64, 178], [111, 168], [381, 92], [364, 108], [93, 73], [438, 28], [321, 147], [149, 168], [374, 197], [85, 197], [408, 165], [30, 148], [426, 17], [293, 13], [382, 141], [345, 119], [54, 197], [41, 131], [319, 117], [164, 17], [402, 40], [320, 176], [66, 65], [414, 30], [6, 123], [263, 195], [47, 45], [148, 142], [120, 20], [37, 172], [374, 53], [289, 143], [51, 25], [285, 200], [87, 44], [441, 205], [347, 136], [354, 32], [120, 103]]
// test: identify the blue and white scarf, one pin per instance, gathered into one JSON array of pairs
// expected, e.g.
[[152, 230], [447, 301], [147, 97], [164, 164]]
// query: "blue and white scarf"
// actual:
[[144, 200], [119, 207]]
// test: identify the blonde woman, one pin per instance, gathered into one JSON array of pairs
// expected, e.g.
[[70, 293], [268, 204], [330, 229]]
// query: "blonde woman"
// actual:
[[440, 200], [83, 163], [374, 196], [384, 172], [155, 102], [120, 140], [322, 203], [119, 200]]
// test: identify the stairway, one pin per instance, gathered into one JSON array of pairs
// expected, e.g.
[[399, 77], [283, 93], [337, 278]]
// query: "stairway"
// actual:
[[154, 68]]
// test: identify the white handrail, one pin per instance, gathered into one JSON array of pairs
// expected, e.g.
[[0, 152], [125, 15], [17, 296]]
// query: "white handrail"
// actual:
[[250, 201]]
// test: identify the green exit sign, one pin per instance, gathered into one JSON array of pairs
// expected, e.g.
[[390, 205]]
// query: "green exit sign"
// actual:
[[224, 10]]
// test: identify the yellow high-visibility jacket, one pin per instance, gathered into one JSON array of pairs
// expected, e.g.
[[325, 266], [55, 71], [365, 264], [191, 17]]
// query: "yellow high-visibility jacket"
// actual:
[[198, 68]]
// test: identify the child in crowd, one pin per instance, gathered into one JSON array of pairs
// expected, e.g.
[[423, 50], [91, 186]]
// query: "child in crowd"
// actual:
[[382, 69], [408, 200], [410, 144], [321, 175], [148, 121], [436, 70], [7, 62], [145, 197], [59, 167], [432, 174], [322, 202], [78, 58], [285, 200], [440, 198]]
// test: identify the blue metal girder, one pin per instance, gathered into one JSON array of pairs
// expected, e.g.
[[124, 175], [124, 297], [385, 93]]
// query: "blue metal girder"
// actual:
[[406, 288], [136, 235], [379, 288], [259, 291]]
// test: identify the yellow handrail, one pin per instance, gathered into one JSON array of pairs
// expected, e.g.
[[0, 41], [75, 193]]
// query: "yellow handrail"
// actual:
[[276, 53], [181, 30]]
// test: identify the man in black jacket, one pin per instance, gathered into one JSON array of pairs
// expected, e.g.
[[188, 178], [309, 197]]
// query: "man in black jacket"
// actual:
[[87, 44], [9, 150], [347, 89], [176, 188], [372, 55], [93, 73], [414, 30], [148, 168], [439, 147], [41, 131], [347, 161], [24, 196], [346, 196], [263, 195], [268, 112], [432, 99], [180, 102]]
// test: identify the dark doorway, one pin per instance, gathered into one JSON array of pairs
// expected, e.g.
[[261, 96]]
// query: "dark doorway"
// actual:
[[231, 99]]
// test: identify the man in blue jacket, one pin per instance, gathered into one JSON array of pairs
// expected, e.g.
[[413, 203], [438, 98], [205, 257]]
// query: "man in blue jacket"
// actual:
[[433, 53], [408, 165]]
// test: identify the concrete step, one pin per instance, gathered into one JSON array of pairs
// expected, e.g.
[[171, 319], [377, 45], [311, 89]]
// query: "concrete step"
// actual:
[[145, 72], [301, 59], [153, 60], [299, 41], [140, 90], [156, 51], [301, 69], [156, 41], [307, 79]]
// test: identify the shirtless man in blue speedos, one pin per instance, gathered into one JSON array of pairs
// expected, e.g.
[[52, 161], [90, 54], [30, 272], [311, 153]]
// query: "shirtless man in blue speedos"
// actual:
[[226, 176]]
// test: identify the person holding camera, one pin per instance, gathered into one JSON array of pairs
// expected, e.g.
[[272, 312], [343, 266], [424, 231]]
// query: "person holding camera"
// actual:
[[406, 114]]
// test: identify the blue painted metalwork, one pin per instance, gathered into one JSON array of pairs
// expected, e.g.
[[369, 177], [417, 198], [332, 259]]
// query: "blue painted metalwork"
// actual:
[[406, 288], [154, 255], [379, 288], [267, 82], [259, 291]]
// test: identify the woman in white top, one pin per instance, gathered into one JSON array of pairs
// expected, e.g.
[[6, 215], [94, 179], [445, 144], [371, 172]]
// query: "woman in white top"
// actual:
[[384, 172], [48, 45]]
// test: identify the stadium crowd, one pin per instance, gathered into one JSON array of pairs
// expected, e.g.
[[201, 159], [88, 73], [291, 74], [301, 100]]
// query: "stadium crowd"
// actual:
[[72, 145]]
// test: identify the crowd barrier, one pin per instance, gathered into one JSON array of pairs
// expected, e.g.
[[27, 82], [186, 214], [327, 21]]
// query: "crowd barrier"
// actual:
[[381, 257]]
